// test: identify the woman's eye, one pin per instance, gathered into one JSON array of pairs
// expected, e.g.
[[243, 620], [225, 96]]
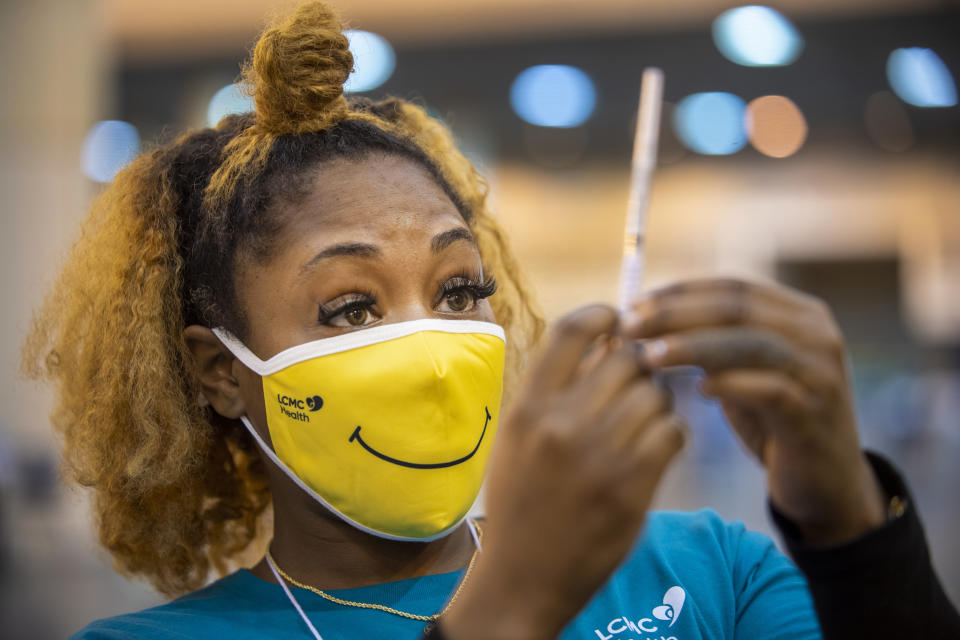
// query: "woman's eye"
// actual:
[[356, 317], [463, 293], [459, 300], [355, 311]]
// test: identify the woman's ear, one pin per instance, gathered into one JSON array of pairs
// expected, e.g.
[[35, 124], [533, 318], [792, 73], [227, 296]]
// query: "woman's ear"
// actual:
[[214, 370]]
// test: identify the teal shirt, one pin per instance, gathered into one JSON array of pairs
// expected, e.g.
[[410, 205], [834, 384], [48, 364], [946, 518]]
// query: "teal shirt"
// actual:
[[691, 576]]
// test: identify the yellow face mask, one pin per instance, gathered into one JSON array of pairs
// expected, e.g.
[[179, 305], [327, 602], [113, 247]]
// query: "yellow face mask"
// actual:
[[389, 427]]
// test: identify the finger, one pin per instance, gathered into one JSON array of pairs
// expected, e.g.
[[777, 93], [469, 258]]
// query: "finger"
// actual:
[[660, 442], [573, 335], [721, 349], [631, 413], [771, 292], [748, 425], [595, 354], [716, 350], [720, 308], [763, 390], [599, 388]]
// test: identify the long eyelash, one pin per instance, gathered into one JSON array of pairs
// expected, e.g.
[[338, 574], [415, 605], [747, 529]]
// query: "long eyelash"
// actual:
[[479, 290], [360, 299]]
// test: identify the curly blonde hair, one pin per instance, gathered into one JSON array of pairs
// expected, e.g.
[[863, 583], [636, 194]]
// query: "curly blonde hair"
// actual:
[[179, 490]]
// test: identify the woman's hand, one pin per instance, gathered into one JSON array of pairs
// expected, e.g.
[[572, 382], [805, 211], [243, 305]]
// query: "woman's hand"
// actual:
[[776, 360], [574, 468]]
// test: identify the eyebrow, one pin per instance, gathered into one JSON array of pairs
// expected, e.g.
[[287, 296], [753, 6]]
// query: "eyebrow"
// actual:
[[443, 240], [356, 249]]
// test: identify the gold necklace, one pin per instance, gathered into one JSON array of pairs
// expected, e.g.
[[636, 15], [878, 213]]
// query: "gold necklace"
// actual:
[[380, 607]]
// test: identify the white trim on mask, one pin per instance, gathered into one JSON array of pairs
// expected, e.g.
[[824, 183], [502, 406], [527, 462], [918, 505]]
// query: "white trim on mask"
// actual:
[[316, 496], [352, 340]]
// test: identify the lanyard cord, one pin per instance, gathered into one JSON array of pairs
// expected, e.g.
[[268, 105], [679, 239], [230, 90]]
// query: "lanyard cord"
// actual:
[[316, 634], [296, 605]]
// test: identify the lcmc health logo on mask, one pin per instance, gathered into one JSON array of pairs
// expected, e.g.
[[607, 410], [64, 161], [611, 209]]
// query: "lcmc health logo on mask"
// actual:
[[295, 407]]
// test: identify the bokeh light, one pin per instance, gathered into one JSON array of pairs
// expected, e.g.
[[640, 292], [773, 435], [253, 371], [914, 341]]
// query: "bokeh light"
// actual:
[[887, 122], [776, 126], [553, 95], [109, 146], [921, 78], [711, 123], [757, 36], [227, 100], [373, 61]]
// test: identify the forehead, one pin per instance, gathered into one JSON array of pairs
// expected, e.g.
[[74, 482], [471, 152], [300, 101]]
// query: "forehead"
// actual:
[[377, 197]]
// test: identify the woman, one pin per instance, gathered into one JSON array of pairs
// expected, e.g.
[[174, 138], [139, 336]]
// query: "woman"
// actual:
[[309, 308]]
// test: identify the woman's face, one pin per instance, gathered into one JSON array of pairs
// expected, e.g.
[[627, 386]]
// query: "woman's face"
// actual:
[[375, 241]]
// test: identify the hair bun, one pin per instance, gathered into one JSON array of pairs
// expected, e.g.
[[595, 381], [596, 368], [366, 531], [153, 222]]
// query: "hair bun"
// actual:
[[299, 67]]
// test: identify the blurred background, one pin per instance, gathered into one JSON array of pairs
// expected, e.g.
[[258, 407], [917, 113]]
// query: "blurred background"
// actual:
[[816, 142]]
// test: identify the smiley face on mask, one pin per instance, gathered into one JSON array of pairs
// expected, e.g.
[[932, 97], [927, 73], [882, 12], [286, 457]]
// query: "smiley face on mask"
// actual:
[[401, 461]]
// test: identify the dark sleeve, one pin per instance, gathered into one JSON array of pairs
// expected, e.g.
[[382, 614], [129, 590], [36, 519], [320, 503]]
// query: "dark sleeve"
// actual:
[[881, 585]]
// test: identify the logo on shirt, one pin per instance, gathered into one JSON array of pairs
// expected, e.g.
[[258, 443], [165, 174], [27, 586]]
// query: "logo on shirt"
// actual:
[[672, 604], [668, 611]]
